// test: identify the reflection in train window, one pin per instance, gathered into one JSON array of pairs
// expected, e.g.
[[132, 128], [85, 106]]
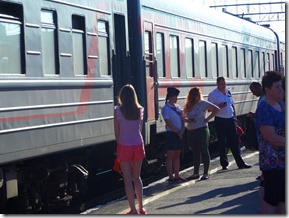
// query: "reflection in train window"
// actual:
[[10, 43], [214, 60], [78, 41], [202, 59], [103, 47], [189, 57], [234, 62], [48, 42], [174, 56], [160, 56], [243, 63]]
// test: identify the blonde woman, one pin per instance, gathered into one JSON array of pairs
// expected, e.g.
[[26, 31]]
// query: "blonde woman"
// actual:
[[195, 113], [128, 120]]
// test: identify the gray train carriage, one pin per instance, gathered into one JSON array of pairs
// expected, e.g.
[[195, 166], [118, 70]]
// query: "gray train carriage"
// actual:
[[186, 45], [57, 94]]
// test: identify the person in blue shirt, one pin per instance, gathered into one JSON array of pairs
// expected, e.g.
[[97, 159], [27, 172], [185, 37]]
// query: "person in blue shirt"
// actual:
[[173, 116], [270, 123]]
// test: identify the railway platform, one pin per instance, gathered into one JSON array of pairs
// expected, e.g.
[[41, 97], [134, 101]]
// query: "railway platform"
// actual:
[[232, 192]]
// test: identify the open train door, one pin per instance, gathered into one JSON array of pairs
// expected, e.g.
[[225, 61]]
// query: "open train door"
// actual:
[[151, 77], [120, 60]]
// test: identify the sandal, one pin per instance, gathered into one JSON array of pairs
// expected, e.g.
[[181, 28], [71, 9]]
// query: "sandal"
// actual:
[[171, 180], [143, 211], [204, 177]]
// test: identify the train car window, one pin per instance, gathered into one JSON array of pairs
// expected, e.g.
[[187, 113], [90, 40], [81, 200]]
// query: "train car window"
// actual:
[[48, 42], [267, 67], [78, 43], [282, 61], [203, 58], [160, 56], [174, 56], [262, 65], [214, 60], [273, 62], [224, 60], [243, 62], [148, 53], [103, 46], [189, 57], [250, 64], [256, 65], [234, 62], [10, 38]]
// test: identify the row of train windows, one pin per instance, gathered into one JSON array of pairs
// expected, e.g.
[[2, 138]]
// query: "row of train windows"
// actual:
[[11, 46], [237, 63]]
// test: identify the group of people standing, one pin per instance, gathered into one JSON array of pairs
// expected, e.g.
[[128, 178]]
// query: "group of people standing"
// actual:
[[195, 116], [197, 112]]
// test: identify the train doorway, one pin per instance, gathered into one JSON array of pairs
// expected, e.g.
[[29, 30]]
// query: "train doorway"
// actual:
[[150, 72], [121, 71]]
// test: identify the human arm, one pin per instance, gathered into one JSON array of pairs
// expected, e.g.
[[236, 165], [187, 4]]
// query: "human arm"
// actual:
[[187, 119], [116, 126], [214, 110], [234, 112], [172, 126], [269, 134], [141, 118], [174, 129], [183, 127]]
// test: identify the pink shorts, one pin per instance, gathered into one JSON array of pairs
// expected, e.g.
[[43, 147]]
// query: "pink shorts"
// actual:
[[130, 153]]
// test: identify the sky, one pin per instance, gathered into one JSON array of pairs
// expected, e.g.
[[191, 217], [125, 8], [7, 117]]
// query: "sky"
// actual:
[[277, 26]]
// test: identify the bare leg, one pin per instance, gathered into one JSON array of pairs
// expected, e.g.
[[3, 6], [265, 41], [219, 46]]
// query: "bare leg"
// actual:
[[169, 164], [129, 190], [138, 186], [176, 163], [281, 209], [268, 209]]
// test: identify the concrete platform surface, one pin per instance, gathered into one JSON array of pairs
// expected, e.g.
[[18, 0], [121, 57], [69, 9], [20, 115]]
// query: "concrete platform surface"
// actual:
[[230, 192]]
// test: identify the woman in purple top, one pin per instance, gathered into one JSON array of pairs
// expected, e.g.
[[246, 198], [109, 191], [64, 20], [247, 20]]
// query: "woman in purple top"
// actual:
[[270, 123], [128, 120]]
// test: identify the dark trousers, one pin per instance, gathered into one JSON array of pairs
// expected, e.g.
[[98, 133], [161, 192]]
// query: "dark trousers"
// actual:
[[198, 140], [228, 138]]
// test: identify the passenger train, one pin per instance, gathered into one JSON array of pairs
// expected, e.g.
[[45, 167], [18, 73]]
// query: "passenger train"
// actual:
[[63, 62]]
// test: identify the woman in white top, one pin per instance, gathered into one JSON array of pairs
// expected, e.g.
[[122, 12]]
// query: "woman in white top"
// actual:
[[195, 112], [173, 116]]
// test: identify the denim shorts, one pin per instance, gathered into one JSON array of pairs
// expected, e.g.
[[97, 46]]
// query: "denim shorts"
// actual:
[[173, 142]]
